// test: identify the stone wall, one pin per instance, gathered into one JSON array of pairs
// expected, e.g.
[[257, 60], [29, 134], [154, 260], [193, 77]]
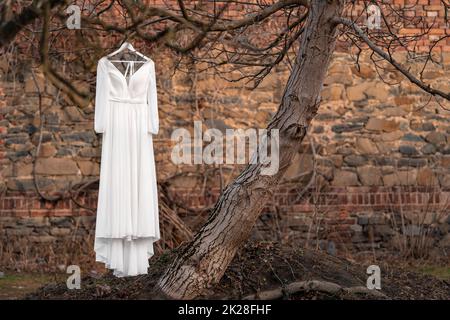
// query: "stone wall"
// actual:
[[381, 155], [374, 172]]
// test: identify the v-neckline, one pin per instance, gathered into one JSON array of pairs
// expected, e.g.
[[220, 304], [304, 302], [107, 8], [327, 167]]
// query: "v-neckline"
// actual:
[[127, 83]]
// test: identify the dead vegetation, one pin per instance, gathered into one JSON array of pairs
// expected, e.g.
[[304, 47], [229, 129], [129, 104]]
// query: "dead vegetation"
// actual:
[[268, 270]]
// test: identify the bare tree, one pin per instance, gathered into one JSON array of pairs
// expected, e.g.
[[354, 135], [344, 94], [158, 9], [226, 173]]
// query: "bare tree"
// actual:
[[305, 30]]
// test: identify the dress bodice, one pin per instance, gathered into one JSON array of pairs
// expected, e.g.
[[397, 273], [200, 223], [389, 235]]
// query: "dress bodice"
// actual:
[[112, 85], [137, 85]]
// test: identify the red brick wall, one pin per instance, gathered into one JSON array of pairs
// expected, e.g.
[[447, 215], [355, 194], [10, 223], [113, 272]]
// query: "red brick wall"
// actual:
[[354, 218]]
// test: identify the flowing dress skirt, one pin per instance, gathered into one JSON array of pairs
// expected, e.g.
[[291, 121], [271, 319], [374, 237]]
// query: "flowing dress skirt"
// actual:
[[127, 212]]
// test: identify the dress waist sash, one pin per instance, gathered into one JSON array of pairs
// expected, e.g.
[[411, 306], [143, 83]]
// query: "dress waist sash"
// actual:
[[125, 100]]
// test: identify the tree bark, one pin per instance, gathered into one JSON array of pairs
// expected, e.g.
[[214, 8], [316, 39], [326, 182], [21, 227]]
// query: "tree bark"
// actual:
[[203, 261]]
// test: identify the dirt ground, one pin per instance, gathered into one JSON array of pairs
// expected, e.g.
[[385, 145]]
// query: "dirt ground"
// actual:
[[16, 285], [264, 268]]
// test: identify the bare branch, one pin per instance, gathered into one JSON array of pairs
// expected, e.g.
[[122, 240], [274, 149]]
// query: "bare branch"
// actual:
[[426, 87], [9, 29], [73, 93]]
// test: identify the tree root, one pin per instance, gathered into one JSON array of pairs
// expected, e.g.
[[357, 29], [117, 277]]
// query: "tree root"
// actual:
[[313, 285]]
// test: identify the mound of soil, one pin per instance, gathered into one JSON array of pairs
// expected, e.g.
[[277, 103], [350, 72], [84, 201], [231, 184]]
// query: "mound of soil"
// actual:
[[268, 270]]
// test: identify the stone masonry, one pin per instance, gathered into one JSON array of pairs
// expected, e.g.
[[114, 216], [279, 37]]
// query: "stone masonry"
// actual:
[[374, 170]]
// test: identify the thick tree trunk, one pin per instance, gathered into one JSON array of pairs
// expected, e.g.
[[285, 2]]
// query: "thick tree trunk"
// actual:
[[203, 261]]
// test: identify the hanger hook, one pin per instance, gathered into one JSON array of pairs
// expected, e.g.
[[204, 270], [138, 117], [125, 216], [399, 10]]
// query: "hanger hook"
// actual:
[[128, 36], [125, 39]]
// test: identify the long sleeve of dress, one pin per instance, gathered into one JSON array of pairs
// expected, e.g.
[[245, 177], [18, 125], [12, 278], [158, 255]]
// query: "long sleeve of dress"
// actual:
[[101, 98], [152, 100]]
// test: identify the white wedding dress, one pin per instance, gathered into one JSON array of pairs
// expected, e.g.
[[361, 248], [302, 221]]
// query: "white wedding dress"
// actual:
[[126, 113]]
